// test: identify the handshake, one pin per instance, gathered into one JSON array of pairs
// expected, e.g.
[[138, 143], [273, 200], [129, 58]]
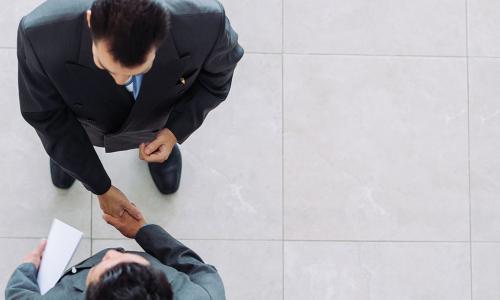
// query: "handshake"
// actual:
[[119, 212], [114, 203]]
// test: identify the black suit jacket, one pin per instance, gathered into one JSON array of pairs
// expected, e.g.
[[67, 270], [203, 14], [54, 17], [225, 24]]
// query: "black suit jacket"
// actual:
[[74, 105]]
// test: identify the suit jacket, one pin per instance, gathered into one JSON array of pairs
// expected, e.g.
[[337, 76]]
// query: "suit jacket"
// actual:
[[186, 272], [74, 105]]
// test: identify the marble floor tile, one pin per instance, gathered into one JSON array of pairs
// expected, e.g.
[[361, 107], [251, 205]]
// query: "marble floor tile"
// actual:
[[485, 271], [375, 148], [484, 145], [257, 22], [376, 271], [484, 20], [384, 27]]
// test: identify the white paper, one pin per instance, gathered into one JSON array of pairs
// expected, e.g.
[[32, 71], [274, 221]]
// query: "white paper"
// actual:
[[61, 245]]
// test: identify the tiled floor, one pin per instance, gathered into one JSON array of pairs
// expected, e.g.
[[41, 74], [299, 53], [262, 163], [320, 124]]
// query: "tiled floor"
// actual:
[[356, 157]]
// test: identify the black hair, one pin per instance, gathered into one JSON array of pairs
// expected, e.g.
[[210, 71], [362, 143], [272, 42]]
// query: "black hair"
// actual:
[[130, 281], [130, 27]]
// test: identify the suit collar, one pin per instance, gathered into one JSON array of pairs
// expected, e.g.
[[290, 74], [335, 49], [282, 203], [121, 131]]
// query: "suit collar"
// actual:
[[83, 267], [82, 270], [81, 284]]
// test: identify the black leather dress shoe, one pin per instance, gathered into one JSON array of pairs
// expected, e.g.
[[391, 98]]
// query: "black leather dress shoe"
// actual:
[[60, 178], [167, 175]]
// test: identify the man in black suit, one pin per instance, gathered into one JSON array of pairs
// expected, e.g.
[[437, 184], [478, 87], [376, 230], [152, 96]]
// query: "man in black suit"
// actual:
[[166, 270], [122, 74]]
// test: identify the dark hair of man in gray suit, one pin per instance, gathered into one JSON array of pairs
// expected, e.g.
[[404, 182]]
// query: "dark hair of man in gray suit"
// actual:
[[129, 281]]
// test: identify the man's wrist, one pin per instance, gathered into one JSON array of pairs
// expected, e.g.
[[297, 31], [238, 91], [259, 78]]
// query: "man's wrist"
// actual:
[[142, 228], [28, 265], [106, 192], [99, 185], [170, 134], [139, 229], [102, 189]]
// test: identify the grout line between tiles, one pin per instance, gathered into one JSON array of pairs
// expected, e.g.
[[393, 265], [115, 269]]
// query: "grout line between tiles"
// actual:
[[264, 52], [374, 55], [31, 237], [468, 147], [483, 57], [198, 239], [283, 148], [351, 54], [361, 54], [485, 242], [381, 241], [288, 240]]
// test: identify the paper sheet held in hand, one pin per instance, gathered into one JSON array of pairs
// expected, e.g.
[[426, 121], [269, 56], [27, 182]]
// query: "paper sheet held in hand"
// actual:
[[61, 245]]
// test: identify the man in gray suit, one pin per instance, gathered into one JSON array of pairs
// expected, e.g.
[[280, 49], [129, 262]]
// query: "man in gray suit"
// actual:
[[167, 270]]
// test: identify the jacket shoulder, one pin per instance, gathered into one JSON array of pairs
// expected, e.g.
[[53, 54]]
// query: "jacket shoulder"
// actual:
[[181, 8], [53, 12]]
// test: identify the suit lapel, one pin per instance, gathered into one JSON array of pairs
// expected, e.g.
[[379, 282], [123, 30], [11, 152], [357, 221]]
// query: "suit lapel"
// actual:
[[78, 282], [99, 88], [156, 86], [85, 56]]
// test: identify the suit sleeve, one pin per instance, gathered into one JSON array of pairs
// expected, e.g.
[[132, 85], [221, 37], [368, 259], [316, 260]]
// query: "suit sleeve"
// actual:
[[157, 242], [23, 284], [212, 85], [62, 136]]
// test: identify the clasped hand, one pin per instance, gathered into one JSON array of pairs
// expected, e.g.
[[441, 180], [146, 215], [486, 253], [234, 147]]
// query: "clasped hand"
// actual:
[[115, 203], [160, 148], [121, 213]]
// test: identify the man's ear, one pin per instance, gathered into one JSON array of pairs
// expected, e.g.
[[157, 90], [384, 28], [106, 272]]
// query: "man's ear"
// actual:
[[88, 13]]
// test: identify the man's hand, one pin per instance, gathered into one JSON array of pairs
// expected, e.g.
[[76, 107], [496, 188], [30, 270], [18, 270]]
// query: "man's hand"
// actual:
[[127, 225], [115, 203], [35, 256], [158, 150]]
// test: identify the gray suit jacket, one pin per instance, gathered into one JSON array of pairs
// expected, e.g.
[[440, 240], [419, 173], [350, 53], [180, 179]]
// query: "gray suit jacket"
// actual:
[[188, 275], [74, 105]]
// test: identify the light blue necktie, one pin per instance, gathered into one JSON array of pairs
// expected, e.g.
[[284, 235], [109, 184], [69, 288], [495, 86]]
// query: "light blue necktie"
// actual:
[[136, 81], [135, 86]]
